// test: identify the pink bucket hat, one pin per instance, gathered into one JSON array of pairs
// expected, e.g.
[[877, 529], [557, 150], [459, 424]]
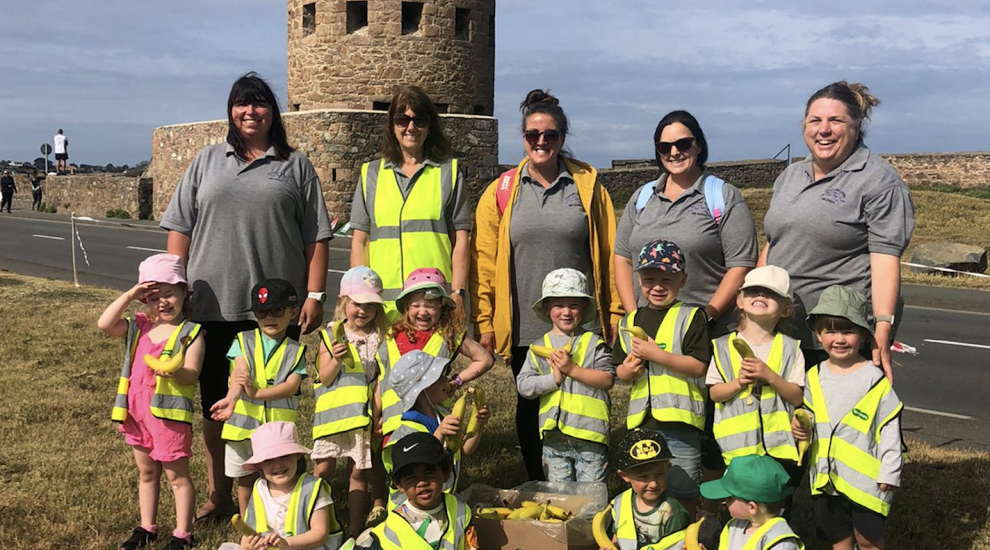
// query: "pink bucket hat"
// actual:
[[164, 268], [429, 280], [273, 440], [362, 285]]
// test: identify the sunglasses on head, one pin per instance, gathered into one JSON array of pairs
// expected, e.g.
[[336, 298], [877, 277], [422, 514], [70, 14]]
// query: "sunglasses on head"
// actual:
[[403, 120], [277, 312], [683, 144], [550, 137]]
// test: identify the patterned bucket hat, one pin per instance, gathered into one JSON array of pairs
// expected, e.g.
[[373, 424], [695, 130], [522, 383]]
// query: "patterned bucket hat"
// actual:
[[566, 283]]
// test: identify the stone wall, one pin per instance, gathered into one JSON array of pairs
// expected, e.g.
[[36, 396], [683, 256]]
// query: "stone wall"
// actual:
[[965, 170], [95, 194], [337, 142], [333, 64]]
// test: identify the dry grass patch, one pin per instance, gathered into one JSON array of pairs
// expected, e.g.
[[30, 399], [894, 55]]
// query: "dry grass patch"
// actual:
[[67, 480]]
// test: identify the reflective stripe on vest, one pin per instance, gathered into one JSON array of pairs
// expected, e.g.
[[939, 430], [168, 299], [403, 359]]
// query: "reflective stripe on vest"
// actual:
[[757, 429], [765, 537], [395, 533], [847, 454], [171, 400], [343, 405], [250, 413], [302, 504], [576, 409], [405, 428], [391, 403], [669, 396], [407, 233], [623, 520]]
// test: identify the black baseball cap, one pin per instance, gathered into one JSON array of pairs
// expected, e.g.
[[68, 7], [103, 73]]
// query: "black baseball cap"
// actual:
[[639, 447], [417, 448], [273, 294]]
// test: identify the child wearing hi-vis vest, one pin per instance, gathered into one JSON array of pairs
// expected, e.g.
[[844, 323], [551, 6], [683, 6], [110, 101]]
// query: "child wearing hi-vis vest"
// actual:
[[756, 376], [755, 486], [667, 367], [856, 447], [429, 518], [345, 409], [572, 384], [267, 368], [155, 407]]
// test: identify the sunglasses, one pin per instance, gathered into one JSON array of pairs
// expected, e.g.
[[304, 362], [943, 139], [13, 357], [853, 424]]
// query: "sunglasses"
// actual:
[[403, 120], [683, 144], [277, 312], [550, 137]]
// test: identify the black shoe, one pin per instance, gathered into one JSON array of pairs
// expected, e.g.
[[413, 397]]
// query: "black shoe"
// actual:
[[179, 544], [139, 539]]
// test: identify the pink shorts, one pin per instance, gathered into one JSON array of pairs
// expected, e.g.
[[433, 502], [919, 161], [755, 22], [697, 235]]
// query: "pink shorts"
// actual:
[[165, 440]]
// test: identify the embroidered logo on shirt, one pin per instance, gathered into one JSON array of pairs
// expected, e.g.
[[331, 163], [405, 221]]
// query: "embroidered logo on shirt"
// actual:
[[573, 200], [700, 209], [834, 196], [278, 176]]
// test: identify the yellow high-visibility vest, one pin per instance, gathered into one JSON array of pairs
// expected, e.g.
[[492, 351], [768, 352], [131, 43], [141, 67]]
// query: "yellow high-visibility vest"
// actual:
[[765, 537], [395, 533], [302, 503], [343, 405]]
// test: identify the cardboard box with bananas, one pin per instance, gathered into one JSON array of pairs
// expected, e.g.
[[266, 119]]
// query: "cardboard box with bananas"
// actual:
[[548, 516]]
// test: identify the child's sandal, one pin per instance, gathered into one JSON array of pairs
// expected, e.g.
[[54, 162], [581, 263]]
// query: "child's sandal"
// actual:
[[140, 538], [179, 544]]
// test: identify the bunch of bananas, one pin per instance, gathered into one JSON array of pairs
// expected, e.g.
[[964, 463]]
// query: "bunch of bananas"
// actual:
[[804, 418], [466, 409], [746, 352], [170, 365], [527, 510], [545, 351]]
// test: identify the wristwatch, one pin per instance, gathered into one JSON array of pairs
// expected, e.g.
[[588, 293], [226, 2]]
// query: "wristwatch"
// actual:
[[884, 319], [318, 296], [460, 292]]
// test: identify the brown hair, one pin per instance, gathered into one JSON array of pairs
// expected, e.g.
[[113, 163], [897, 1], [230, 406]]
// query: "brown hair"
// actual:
[[540, 101], [856, 97], [436, 147], [450, 325], [251, 89], [379, 324], [821, 323]]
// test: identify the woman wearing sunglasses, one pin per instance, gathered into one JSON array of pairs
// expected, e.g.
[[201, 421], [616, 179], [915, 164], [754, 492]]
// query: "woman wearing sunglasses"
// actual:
[[410, 207], [549, 212], [841, 216]]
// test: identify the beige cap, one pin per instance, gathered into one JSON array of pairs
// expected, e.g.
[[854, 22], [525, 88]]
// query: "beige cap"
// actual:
[[771, 278]]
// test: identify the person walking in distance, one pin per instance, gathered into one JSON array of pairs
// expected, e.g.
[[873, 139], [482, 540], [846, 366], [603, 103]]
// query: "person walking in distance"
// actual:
[[7, 189], [61, 151]]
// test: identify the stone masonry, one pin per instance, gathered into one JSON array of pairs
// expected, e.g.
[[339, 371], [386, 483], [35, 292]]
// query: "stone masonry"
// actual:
[[95, 194], [353, 54]]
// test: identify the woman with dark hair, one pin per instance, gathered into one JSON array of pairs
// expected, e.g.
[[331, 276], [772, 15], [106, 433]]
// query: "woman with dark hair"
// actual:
[[410, 207], [843, 216], [549, 212], [719, 242], [245, 211]]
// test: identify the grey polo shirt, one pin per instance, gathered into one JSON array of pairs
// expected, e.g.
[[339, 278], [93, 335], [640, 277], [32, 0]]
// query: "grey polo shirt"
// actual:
[[548, 230], [822, 232], [457, 213], [247, 222], [709, 249]]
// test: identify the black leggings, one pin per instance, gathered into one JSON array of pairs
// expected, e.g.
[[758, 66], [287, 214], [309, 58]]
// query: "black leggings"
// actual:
[[528, 423]]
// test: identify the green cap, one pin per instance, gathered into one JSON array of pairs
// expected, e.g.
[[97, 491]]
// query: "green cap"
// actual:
[[753, 478], [842, 301]]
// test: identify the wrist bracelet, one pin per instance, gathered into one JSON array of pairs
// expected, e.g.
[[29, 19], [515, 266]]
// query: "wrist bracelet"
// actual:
[[457, 381]]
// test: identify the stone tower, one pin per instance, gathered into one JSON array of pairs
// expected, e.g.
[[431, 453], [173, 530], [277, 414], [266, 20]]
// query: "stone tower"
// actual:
[[352, 54]]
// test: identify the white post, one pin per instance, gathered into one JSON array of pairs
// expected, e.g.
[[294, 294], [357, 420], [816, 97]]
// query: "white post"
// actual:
[[72, 240]]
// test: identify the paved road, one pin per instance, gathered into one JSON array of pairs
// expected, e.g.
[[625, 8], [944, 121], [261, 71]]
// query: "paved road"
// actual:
[[945, 385]]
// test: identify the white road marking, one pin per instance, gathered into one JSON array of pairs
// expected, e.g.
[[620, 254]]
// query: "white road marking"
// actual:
[[943, 310], [145, 249], [938, 413], [49, 237], [963, 344]]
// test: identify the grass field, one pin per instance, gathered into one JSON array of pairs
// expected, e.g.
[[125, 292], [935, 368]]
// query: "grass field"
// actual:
[[67, 479]]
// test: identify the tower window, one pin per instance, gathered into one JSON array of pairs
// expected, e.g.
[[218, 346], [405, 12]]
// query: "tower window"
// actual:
[[479, 109], [309, 19], [412, 14], [442, 107], [462, 24], [379, 105], [357, 16], [491, 30]]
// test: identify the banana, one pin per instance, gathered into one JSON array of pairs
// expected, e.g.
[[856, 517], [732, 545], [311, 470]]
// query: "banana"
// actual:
[[526, 512], [598, 529], [635, 332], [479, 403], [492, 513], [528, 503], [241, 527], [746, 352], [340, 337], [545, 351], [691, 535], [466, 409], [803, 418], [556, 512], [170, 365]]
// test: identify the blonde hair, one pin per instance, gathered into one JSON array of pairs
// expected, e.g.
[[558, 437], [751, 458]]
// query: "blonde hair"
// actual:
[[379, 324], [450, 325]]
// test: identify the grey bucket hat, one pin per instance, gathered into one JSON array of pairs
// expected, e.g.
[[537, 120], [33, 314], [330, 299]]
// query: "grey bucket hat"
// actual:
[[566, 283], [842, 301], [413, 373]]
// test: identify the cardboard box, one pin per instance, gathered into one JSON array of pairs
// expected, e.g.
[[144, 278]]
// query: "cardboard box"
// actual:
[[574, 534]]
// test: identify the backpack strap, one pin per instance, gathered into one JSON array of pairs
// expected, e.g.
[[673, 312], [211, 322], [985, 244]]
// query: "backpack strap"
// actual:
[[714, 197], [504, 190], [645, 193]]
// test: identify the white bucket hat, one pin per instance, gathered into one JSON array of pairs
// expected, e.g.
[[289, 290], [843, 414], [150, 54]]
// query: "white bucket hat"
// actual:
[[566, 283]]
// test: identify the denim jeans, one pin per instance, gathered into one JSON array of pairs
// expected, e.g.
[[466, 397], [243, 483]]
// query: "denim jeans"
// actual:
[[684, 442], [567, 458]]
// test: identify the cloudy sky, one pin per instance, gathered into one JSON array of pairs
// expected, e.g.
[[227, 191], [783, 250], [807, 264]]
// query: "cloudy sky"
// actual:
[[110, 71]]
